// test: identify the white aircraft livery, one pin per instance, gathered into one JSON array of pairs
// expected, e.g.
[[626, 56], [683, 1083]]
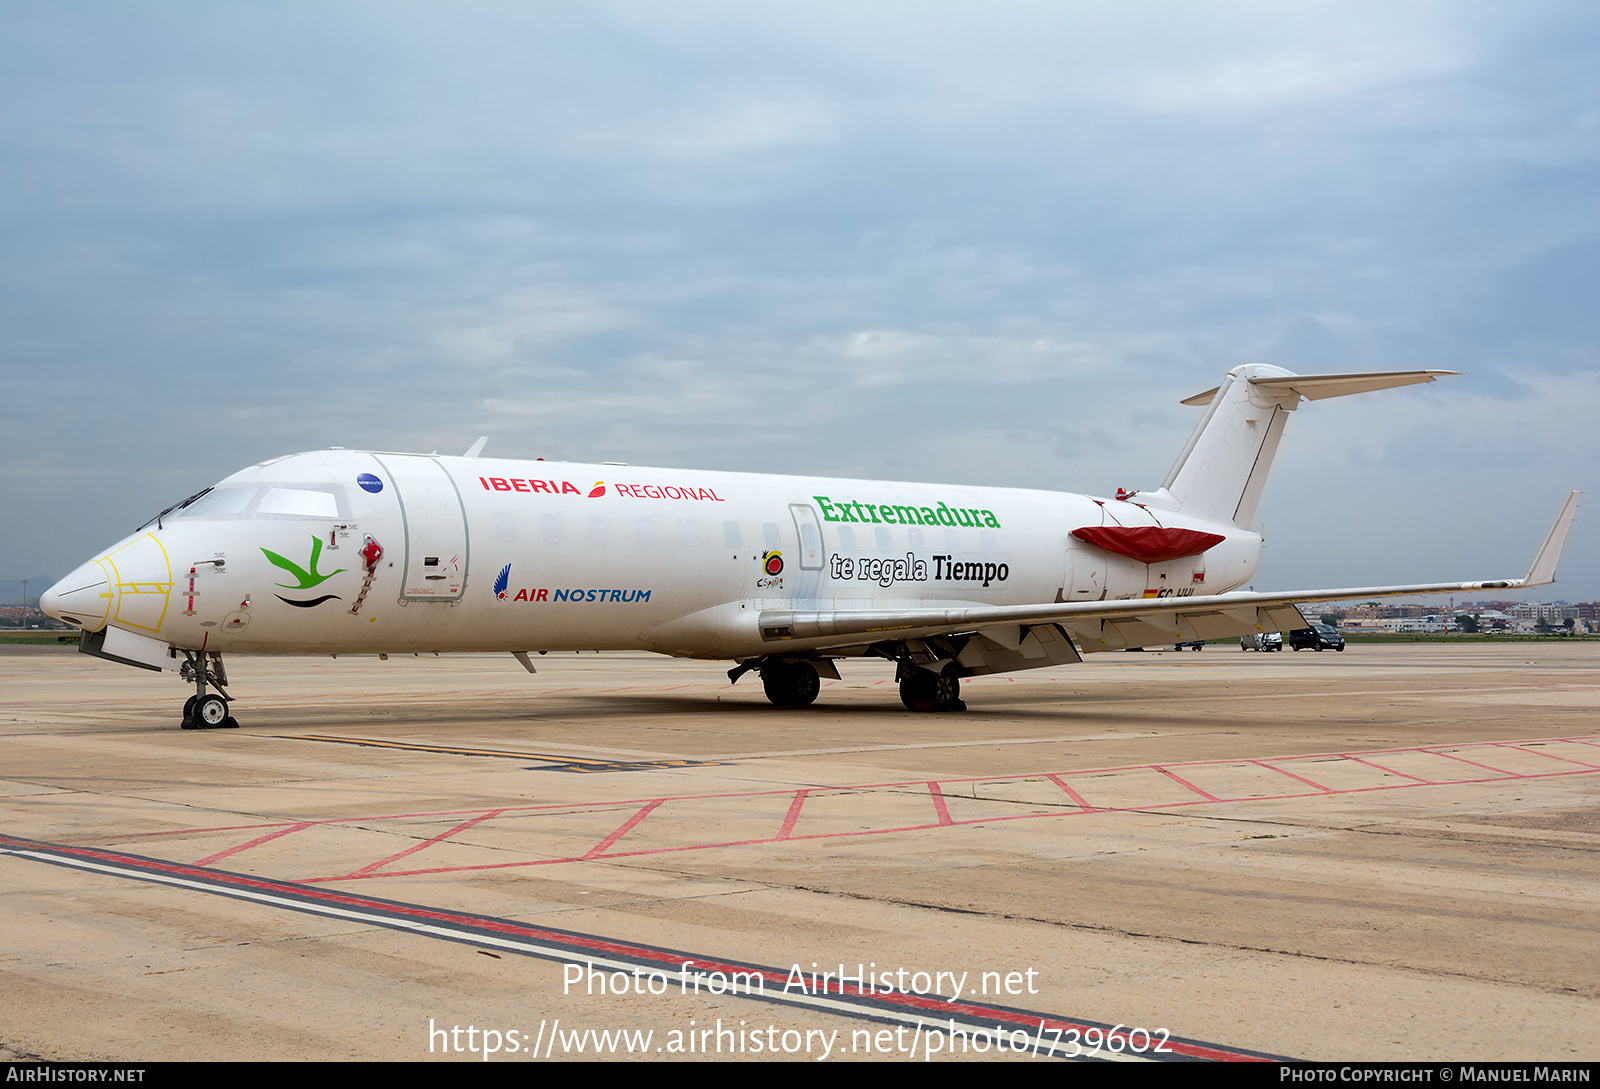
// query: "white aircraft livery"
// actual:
[[347, 552]]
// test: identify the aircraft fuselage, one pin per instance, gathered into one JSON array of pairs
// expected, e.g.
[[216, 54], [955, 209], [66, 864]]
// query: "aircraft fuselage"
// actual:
[[477, 554]]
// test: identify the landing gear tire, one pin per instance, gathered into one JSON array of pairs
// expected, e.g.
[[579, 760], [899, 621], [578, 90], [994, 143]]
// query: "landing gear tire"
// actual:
[[921, 690], [211, 713], [206, 710], [916, 690], [791, 684]]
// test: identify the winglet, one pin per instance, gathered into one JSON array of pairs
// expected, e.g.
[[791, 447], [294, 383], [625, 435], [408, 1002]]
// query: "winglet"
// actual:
[[476, 448], [1544, 564]]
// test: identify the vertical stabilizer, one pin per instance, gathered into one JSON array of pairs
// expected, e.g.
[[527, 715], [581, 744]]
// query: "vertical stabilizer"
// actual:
[[1221, 473]]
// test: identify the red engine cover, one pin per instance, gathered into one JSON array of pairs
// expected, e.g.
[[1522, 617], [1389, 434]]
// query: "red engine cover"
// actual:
[[1149, 544]]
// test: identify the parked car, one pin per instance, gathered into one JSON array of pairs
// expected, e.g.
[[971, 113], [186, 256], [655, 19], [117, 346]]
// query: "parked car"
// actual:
[[1317, 637], [1268, 640]]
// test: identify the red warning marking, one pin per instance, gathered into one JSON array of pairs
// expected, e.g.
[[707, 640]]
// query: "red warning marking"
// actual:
[[462, 827], [1391, 771], [793, 815], [1191, 786], [632, 822], [939, 791], [258, 841], [1551, 755], [1474, 763], [1292, 775], [1073, 794]]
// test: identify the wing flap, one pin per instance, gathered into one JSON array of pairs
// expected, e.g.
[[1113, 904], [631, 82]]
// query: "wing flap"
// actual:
[[1040, 645]]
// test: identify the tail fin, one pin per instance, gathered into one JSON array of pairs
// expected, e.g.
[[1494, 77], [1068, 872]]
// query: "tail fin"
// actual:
[[1222, 471]]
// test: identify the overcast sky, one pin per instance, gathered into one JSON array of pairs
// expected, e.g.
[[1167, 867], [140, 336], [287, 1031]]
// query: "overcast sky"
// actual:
[[988, 244]]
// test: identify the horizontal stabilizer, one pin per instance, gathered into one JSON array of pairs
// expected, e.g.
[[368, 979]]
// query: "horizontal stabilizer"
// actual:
[[1316, 387], [1221, 473]]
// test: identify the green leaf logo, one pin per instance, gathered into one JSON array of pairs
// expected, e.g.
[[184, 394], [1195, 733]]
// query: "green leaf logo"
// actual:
[[308, 579]]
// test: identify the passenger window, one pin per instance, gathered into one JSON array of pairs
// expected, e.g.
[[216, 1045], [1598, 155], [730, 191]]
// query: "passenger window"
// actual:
[[730, 534], [550, 524], [597, 531], [691, 532]]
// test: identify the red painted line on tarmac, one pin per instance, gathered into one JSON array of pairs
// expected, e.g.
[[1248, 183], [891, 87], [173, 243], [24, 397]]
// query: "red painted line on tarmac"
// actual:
[[462, 827], [1292, 775], [603, 850], [258, 841], [1474, 763], [791, 817], [1185, 782], [1143, 808], [978, 820], [553, 806], [1551, 755], [1391, 771], [1073, 794], [627, 826]]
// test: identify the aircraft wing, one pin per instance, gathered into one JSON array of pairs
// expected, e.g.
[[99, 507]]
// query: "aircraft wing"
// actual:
[[1109, 625]]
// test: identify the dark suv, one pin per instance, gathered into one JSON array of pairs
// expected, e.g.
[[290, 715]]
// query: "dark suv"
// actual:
[[1317, 636]]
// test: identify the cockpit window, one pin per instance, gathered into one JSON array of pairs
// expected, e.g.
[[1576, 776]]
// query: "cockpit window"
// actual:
[[257, 501], [218, 503], [300, 502], [156, 521]]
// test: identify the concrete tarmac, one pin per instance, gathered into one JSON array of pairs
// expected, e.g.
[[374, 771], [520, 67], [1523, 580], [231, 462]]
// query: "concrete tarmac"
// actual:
[[1387, 853]]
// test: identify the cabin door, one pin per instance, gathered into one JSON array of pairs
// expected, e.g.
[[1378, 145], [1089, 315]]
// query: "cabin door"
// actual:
[[436, 528]]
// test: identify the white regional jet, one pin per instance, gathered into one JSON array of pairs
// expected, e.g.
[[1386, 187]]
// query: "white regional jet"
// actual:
[[345, 552]]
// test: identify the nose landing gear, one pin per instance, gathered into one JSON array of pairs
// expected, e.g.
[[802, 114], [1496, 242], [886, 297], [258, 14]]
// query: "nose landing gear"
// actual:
[[206, 710]]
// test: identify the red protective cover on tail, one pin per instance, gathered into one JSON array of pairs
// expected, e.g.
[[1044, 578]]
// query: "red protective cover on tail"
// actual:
[[1149, 544]]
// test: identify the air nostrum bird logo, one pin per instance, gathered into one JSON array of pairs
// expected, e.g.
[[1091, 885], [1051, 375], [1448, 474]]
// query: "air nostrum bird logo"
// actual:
[[308, 578]]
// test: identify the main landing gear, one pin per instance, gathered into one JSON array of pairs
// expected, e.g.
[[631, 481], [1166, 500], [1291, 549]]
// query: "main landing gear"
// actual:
[[206, 710], [791, 684], [787, 684], [796, 682], [924, 690]]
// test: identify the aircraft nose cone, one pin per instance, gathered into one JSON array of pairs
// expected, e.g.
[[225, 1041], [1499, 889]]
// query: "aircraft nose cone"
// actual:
[[82, 598]]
